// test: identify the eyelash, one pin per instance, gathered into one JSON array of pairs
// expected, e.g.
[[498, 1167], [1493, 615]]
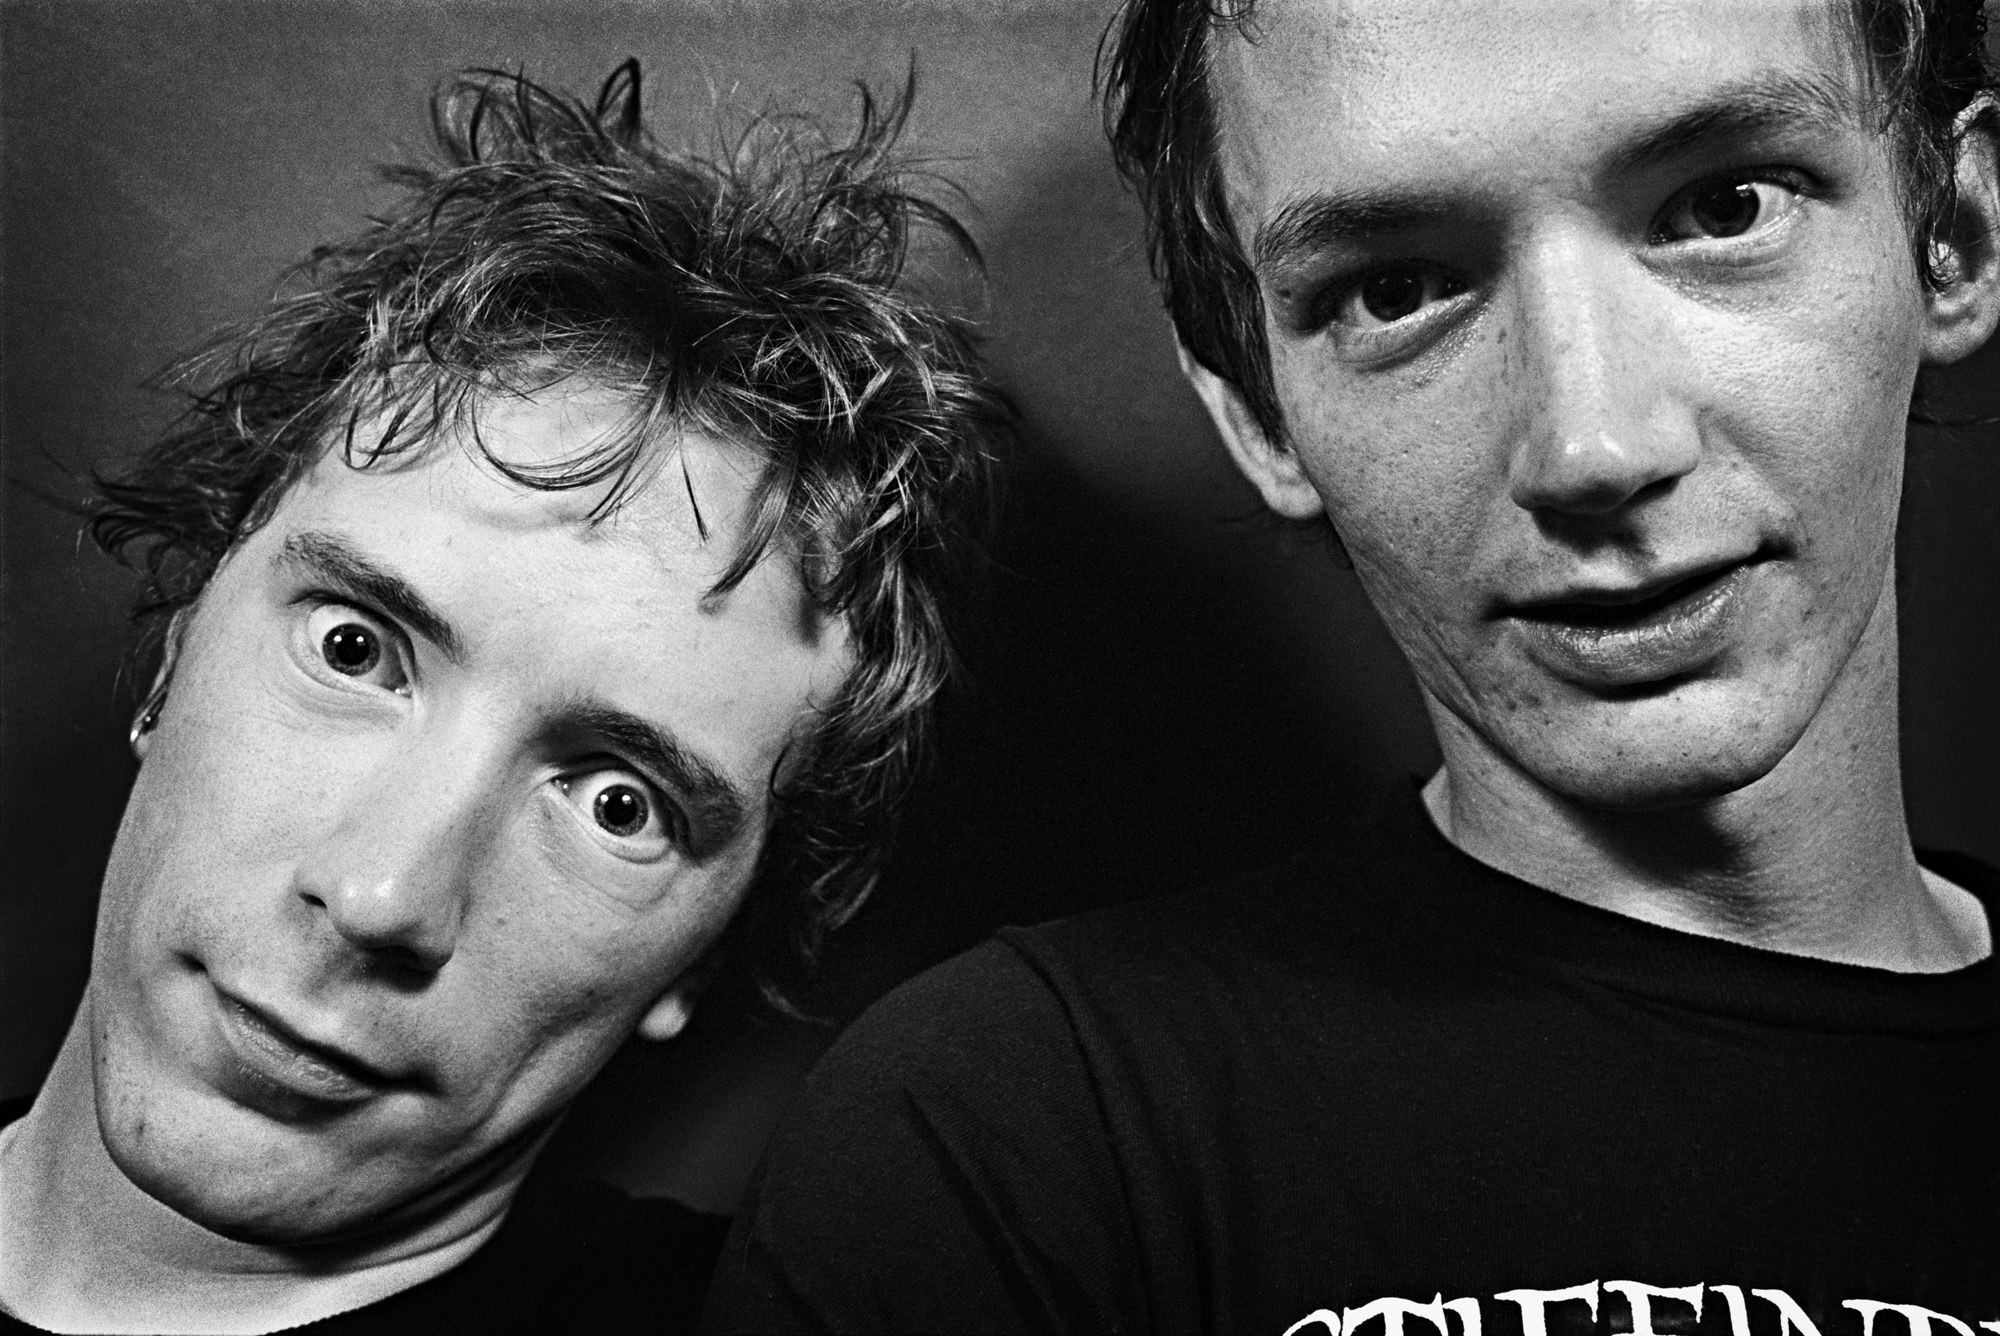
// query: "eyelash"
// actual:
[[1441, 285], [1386, 342], [1801, 186], [391, 646], [1438, 284], [673, 823]]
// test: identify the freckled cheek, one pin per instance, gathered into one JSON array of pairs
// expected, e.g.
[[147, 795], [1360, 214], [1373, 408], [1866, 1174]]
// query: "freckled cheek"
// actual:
[[1406, 466], [1411, 510]]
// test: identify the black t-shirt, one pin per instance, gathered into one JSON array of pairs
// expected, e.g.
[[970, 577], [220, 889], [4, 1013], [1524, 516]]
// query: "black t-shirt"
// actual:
[[1386, 1072], [571, 1256]]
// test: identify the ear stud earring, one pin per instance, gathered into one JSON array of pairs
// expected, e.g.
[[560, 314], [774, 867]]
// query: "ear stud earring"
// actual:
[[149, 715]]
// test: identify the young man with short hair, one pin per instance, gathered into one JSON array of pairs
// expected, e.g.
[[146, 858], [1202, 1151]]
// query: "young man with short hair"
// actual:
[[1591, 329], [552, 586]]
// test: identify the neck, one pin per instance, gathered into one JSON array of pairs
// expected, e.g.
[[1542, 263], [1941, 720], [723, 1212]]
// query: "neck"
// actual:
[[1813, 858], [84, 1249]]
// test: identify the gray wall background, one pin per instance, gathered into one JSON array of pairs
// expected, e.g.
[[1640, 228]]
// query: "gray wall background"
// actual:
[[1165, 685]]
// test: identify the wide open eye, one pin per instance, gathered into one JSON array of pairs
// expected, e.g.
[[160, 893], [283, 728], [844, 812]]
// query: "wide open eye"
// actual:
[[1723, 207], [625, 810], [1388, 293], [354, 645]]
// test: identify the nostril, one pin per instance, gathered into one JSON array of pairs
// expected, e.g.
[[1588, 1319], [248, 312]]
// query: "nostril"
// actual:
[[401, 967], [403, 923]]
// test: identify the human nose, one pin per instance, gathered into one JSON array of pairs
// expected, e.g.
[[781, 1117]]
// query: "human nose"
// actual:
[[393, 872], [1604, 426]]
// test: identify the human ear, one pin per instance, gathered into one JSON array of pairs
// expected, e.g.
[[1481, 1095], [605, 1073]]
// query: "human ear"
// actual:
[[1962, 315], [1272, 467], [670, 1012], [674, 1007]]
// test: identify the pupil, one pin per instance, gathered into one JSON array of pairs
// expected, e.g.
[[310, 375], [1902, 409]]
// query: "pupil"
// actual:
[[351, 649], [621, 810], [1391, 296], [1727, 211]]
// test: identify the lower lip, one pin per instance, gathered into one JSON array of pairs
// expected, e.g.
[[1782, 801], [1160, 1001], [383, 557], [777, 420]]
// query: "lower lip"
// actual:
[[1667, 642], [263, 1069]]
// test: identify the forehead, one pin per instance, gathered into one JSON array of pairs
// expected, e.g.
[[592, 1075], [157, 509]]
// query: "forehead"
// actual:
[[443, 500], [1494, 91]]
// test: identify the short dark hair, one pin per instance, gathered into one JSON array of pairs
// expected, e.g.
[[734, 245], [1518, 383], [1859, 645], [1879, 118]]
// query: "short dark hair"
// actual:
[[754, 294], [1927, 58]]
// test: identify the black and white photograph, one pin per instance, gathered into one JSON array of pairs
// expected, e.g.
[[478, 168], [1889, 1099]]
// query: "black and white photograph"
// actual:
[[1317, 667]]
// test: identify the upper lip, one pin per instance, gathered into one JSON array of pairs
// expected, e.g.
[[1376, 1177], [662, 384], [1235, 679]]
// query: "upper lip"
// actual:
[[1662, 587], [339, 1059]]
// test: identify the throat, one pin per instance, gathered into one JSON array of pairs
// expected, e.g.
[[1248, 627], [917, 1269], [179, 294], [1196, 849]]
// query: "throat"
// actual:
[[1849, 891]]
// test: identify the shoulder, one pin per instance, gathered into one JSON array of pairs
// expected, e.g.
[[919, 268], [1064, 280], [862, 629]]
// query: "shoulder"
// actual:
[[943, 1056], [1050, 999], [944, 1167], [1027, 1044], [1027, 994], [1981, 878], [987, 1145]]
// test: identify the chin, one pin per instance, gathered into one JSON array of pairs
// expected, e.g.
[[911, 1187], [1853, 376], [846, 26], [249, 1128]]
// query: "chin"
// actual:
[[271, 1214], [1657, 756], [1651, 784], [215, 1167]]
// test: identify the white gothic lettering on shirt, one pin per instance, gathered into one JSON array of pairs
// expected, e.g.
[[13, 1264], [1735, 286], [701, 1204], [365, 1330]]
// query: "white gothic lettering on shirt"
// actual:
[[1793, 1320]]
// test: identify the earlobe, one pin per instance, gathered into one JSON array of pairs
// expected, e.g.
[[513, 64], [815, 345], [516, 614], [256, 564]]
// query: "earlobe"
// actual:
[[1963, 314], [1272, 467], [670, 1012]]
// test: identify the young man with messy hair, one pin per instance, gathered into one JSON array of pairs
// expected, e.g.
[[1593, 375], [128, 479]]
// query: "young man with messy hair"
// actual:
[[551, 600], [1591, 328]]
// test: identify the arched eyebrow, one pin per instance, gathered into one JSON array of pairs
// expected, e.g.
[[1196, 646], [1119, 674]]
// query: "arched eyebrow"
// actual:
[[341, 565], [719, 806], [1759, 106]]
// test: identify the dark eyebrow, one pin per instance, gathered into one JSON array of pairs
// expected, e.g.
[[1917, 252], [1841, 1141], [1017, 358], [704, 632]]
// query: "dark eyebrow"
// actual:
[[719, 806], [1757, 105], [338, 562], [1312, 222]]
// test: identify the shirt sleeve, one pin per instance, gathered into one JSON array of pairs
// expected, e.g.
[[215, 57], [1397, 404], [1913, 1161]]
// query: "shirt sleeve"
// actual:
[[946, 1168]]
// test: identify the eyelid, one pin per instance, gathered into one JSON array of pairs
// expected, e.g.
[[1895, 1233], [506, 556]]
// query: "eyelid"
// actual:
[[395, 641], [1398, 339], [1802, 184], [676, 832]]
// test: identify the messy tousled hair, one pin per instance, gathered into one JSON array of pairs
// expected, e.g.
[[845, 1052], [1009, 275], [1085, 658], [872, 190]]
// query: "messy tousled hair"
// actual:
[[754, 294], [1926, 57]]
